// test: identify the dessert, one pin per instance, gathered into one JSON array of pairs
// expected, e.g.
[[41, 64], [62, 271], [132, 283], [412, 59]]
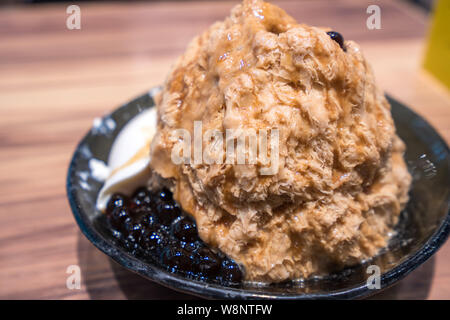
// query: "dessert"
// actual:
[[340, 181]]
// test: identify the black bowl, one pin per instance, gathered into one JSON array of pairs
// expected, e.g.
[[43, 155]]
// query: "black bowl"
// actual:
[[423, 227]]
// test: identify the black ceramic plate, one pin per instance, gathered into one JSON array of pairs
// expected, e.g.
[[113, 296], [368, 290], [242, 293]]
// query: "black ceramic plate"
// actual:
[[424, 224]]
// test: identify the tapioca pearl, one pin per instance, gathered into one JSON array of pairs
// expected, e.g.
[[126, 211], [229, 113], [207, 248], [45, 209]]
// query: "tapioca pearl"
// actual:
[[176, 259], [117, 201], [336, 36], [142, 197], [184, 229]]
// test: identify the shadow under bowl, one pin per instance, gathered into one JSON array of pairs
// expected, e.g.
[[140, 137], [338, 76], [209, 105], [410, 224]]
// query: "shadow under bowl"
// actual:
[[423, 227]]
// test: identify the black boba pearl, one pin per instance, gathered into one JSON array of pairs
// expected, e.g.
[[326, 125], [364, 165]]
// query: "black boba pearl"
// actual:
[[117, 201], [149, 220], [154, 240], [165, 195], [191, 246], [142, 197], [336, 36], [230, 272], [136, 231], [128, 224], [207, 262], [167, 212], [131, 244], [185, 229], [119, 217], [117, 235], [176, 259]]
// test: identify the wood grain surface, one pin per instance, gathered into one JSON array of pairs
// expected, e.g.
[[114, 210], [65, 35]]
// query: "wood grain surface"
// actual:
[[54, 82]]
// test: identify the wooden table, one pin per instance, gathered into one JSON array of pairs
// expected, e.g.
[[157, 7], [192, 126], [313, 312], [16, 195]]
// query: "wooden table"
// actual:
[[54, 82]]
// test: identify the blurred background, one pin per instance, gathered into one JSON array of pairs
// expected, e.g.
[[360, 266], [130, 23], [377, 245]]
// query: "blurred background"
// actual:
[[54, 81], [427, 4]]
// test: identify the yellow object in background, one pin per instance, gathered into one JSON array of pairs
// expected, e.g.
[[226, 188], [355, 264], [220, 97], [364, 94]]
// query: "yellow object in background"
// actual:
[[437, 58]]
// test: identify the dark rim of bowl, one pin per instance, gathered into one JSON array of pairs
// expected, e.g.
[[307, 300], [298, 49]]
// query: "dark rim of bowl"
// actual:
[[207, 290]]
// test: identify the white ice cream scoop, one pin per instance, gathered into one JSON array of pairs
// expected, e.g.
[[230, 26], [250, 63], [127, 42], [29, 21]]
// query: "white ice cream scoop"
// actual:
[[128, 161]]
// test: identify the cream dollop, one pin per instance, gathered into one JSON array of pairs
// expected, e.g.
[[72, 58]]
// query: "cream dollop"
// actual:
[[128, 161]]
